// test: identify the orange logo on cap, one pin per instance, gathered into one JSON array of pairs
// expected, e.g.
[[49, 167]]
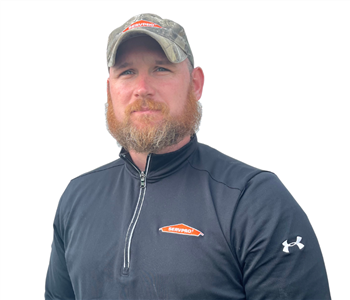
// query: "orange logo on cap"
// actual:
[[141, 24], [181, 229]]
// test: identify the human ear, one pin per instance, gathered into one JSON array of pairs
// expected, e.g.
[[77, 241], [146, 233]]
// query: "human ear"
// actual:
[[198, 82]]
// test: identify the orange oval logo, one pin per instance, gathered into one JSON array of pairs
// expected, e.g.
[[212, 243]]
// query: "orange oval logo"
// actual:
[[181, 229], [141, 24]]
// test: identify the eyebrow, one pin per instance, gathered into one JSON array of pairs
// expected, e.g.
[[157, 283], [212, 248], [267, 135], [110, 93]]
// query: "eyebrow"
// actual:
[[122, 66], [129, 64], [164, 62]]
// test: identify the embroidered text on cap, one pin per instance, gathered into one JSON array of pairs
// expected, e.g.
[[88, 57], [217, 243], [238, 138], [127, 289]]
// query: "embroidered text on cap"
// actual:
[[141, 24]]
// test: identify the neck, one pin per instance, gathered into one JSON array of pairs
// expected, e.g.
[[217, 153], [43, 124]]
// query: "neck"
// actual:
[[139, 159]]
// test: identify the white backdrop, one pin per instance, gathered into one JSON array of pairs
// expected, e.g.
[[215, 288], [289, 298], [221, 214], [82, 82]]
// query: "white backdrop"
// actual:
[[275, 96]]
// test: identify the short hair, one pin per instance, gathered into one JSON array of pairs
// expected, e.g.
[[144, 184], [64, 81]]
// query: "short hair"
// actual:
[[190, 67]]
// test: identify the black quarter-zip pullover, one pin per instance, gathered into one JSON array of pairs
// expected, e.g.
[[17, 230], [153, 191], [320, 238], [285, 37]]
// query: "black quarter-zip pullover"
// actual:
[[196, 224]]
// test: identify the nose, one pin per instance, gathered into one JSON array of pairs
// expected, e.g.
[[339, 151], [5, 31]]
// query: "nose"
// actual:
[[143, 87]]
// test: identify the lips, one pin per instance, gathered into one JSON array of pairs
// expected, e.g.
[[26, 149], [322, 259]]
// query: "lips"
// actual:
[[146, 106], [145, 110]]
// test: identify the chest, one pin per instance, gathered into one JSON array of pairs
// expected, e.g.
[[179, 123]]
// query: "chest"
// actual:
[[165, 241]]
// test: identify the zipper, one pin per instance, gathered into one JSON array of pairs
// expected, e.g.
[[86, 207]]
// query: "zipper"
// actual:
[[137, 211]]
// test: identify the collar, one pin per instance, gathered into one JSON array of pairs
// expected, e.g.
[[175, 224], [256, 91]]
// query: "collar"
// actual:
[[161, 165]]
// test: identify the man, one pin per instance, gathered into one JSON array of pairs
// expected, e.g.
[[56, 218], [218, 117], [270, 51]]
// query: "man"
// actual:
[[172, 218]]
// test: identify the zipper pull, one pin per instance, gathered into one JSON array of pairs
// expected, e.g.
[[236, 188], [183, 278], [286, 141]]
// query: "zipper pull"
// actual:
[[143, 179], [125, 271]]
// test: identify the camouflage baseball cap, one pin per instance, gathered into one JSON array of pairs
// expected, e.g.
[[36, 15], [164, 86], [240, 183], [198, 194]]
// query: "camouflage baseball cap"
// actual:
[[170, 36]]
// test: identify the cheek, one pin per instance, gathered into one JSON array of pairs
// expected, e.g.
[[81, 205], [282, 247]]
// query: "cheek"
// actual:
[[119, 91], [177, 100], [118, 101], [118, 111]]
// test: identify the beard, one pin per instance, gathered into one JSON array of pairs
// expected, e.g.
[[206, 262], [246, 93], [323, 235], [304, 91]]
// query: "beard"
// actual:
[[154, 135]]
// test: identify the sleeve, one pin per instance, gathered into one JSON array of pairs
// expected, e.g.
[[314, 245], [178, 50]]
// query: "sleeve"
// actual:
[[278, 251], [58, 284]]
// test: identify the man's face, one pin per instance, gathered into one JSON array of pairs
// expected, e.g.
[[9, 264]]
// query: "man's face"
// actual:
[[151, 104]]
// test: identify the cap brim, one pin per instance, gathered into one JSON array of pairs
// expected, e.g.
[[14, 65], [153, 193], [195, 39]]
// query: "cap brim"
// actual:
[[172, 51]]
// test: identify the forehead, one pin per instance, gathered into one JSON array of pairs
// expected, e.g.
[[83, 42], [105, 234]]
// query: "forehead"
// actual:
[[144, 46]]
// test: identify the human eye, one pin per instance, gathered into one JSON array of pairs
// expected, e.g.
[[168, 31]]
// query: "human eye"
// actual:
[[161, 69], [127, 72]]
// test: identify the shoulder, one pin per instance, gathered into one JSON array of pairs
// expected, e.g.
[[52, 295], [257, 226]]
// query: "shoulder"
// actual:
[[101, 170], [223, 168], [84, 185], [102, 174]]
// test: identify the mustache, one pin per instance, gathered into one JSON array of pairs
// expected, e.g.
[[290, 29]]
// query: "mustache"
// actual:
[[146, 104]]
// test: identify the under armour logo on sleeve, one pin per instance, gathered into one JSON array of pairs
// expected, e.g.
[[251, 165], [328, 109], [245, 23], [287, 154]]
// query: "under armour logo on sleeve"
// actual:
[[296, 243]]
